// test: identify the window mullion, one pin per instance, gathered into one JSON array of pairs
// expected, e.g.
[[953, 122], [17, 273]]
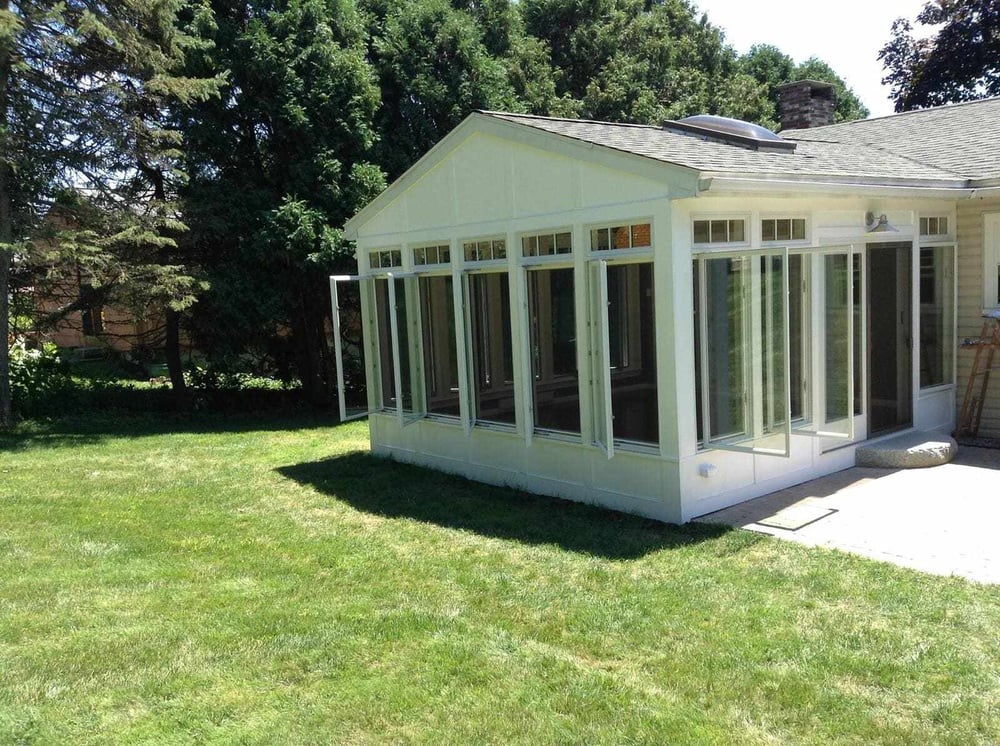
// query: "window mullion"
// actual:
[[394, 332], [605, 360]]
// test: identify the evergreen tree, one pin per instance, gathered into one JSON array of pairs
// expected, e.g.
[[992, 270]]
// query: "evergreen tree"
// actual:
[[83, 91], [277, 163]]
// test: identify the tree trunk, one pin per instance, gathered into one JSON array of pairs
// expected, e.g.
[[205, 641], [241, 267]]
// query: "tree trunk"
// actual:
[[174, 364], [172, 342], [6, 238], [308, 341]]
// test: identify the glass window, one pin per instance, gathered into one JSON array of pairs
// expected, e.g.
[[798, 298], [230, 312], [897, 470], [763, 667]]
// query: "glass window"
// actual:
[[432, 255], [635, 236], [798, 335], [936, 315], [743, 319], [492, 354], [991, 260], [837, 317], [485, 251], [632, 337], [386, 258], [726, 347], [547, 244], [783, 229], [934, 226], [719, 231], [437, 315], [552, 324], [349, 347], [393, 338]]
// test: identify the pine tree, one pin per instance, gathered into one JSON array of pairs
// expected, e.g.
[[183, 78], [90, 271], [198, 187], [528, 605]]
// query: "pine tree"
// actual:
[[85, 88]]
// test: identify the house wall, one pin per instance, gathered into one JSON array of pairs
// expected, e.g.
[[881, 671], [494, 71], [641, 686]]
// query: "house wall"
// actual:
[[971, 237], [120, 330], [490, 187]]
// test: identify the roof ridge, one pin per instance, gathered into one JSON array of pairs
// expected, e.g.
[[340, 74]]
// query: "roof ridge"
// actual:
[[929, 109], [565, 119]]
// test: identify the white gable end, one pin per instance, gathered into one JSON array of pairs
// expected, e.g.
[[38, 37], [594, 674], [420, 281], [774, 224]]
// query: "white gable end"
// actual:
[[488, 180]]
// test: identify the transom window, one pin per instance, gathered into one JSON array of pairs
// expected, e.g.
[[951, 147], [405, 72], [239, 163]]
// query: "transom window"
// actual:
[[634, 236], [423, 255], [547, 244], [721, 231], [485, 251], [385, 258], [934, 226], [783, 229]]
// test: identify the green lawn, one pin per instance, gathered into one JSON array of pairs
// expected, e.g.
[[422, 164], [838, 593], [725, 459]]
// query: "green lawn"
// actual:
[[240, 581]]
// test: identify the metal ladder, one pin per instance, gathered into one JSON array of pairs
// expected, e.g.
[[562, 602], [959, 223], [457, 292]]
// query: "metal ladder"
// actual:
[[972, 407]]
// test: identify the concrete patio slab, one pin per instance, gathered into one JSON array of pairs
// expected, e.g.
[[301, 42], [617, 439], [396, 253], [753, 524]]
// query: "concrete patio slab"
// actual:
[[943, 519]]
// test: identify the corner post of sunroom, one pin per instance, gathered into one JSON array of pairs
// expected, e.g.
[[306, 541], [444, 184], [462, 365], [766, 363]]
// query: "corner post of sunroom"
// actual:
[[685, 422]]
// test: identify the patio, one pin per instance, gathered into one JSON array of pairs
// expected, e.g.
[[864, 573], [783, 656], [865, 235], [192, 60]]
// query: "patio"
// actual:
[[943, 520]]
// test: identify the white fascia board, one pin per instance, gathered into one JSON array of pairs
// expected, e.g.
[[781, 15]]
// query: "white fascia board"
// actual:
[[751, 184], [680, 180]]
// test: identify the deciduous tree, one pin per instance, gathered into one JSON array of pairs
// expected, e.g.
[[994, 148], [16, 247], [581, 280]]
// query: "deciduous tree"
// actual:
[[958, 60]]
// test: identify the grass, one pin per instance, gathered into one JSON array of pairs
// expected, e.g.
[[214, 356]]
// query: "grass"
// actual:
[[240, 581]]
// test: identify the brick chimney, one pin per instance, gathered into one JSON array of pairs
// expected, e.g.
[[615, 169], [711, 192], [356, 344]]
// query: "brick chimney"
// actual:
[[806, 103]]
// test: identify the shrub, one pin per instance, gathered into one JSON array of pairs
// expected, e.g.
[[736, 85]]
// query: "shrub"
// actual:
[[40, 382]]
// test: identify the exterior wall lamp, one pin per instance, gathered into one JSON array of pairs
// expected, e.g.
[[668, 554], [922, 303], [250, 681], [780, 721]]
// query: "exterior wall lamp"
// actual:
[[879, 224]]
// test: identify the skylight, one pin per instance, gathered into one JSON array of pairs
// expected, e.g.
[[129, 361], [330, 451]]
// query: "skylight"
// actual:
[[731, 131]]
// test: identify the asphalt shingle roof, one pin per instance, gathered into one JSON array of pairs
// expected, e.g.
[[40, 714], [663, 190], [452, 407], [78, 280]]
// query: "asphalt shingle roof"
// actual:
[[961, 138], [947, 145]]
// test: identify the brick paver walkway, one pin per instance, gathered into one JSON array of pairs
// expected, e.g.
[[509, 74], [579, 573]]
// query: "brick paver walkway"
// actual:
[[943, 520]]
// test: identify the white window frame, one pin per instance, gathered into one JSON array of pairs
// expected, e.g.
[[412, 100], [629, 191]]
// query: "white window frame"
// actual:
[[403, 416], [338, 347], [754, 415], [430, 266], [612, 253], [566, 256], [817, 427], [940, 236], [485, 263], [991, 261], [604, 409], [951, 270], [466, 348], [791, 242], [376, 254], [748, 228]]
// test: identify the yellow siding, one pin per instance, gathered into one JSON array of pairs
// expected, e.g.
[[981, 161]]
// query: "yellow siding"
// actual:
[[970, 303]]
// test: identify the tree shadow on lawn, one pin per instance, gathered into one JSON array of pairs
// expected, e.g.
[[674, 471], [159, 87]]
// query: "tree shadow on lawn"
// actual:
[[390, 489], [86, 429]]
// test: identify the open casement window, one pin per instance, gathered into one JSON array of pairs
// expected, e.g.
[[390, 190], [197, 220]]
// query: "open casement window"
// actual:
[[400, 367], [624, 344], [837, 276], [346, 294], [742, 341]]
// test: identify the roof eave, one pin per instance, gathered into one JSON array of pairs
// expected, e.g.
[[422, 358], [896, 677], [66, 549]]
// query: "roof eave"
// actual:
[[721, 183]]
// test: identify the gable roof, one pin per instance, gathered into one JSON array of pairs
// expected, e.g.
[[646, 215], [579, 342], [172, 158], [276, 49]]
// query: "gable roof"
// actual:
[[948, 148], [960, 138], [828, 158]]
